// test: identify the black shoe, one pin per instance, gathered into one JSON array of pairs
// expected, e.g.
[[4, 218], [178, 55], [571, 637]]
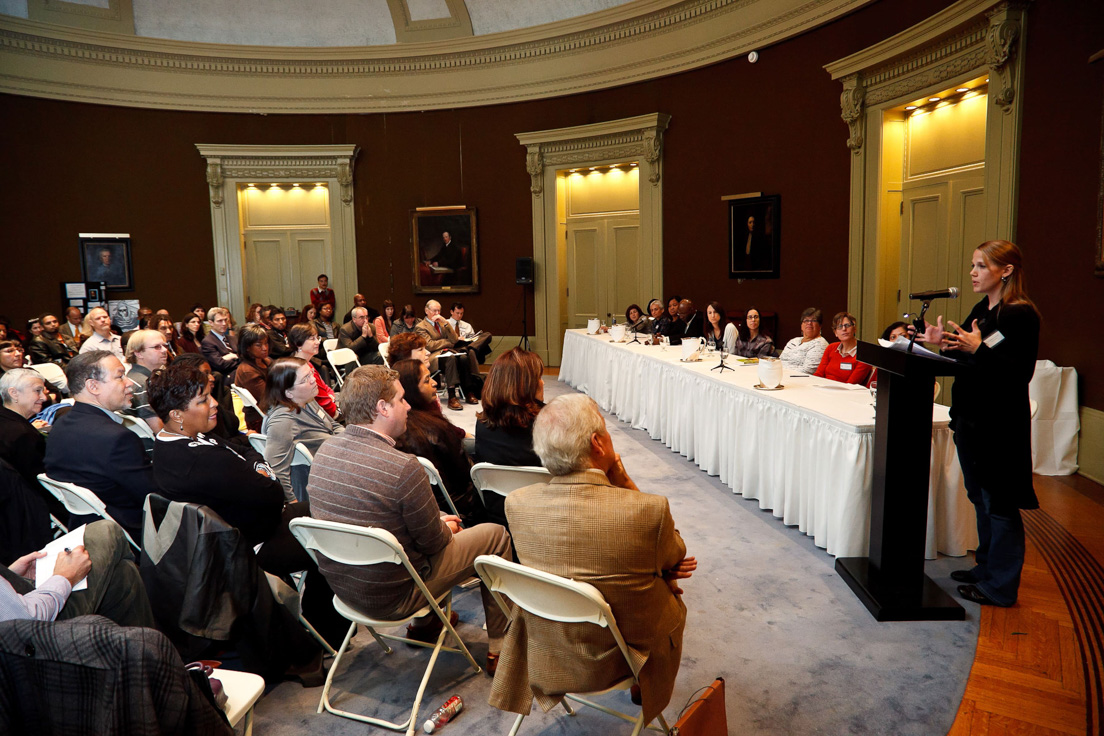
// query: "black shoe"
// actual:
[[972, 593], [964, 576], [428, 632]]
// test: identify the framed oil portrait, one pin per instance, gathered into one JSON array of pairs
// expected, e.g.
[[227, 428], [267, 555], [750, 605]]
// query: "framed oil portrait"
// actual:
[[106, 258], [755, 237], [446, 250]]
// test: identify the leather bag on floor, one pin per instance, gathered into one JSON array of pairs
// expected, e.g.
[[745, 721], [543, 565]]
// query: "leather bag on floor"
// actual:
[[705, 716]]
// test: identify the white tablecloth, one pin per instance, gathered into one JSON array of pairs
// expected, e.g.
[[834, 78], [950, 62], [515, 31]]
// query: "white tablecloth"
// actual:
[[805, 452], [1056, 424]]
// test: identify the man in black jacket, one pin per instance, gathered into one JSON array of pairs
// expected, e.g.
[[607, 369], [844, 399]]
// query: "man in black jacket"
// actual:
[[49, 346], [89, 446], [358, 336], [220, 348]]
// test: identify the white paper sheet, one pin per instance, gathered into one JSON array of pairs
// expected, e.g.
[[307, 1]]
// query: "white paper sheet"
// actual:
[[44, 567], [75, 290]]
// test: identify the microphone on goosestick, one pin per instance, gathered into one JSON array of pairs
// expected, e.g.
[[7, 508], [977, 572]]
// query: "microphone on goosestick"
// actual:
[[949, 293]]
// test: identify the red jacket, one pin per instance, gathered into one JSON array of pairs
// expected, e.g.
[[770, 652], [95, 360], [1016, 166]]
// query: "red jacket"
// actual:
[[840, 368]]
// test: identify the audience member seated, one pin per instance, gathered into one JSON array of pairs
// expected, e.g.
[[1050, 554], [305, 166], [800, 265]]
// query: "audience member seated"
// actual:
[[429, 435], [90, 446], [114, 591], [323, 294], [291, 416], [220, 347], [512, 397], [751, 342], [164, 324], [359, 300], [71, 330], [382, 323], [252, 372], [253, 314], [636, 320], [803, 353], [146, 351], [34, 329], [719, 332], [21, 443], [593, 525], [305, 341], [839, 362], [102, 338], [191, 335], [359, 477], [278, 346], [407, 321], [11, 355], [408, 345], [49, 347], [359, 336], [193, 466], [481, 344], [687, 323], [440, 338], [324, 322], [895, 330], [228, 426], [200, 311], [308, 315], [659, 317]]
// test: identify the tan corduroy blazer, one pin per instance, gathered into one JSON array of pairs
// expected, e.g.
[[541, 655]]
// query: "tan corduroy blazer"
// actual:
[[580, 526]]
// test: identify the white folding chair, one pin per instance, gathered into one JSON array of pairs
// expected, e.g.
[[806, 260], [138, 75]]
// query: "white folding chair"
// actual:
[[243, 690], [559, 599], [350, 544], [385, 352], [53, 373], [302, 456], [79, 500], [138, 426], [435, 480], [339, 358], [330, 344], [248, 400], [258, 441], [504, 479]]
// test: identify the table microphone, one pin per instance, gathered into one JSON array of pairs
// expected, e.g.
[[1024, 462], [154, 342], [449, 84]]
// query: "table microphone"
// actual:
[[949, 293]]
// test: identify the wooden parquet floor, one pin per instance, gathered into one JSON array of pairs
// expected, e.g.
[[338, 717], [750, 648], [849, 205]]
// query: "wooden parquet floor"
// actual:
[[1039, 665]]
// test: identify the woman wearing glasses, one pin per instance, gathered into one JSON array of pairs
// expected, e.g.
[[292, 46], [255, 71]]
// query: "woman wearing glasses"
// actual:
[[839, 362], [803, 353], [305, 342]]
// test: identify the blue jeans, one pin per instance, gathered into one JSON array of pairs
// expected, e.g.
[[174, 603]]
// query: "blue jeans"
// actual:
[[1000, 553]]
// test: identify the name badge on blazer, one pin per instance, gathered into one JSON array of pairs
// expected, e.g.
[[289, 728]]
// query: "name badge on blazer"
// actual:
[[847, 366], [995, 338]]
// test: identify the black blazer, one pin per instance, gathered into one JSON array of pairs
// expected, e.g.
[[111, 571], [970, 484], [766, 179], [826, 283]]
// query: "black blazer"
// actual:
[[21, 445], [213, 349], [87, 448], [366, 348]]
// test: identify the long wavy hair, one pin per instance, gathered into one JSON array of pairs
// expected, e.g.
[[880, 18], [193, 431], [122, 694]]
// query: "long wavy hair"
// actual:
[[510, 393], [1003, 253]]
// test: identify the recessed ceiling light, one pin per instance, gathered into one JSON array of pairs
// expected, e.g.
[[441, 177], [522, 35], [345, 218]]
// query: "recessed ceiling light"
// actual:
[[963, 89], [933, 99], [911, 107]]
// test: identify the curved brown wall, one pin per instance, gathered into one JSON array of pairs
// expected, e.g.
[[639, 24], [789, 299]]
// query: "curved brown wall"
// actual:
[[773, 126]]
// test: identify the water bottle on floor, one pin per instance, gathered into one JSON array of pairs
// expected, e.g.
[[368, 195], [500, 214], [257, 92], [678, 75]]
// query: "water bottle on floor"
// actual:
[[444, 714]]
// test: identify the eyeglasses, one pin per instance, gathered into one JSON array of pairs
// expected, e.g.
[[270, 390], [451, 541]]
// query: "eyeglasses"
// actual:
[[809, 322], [844, 325]]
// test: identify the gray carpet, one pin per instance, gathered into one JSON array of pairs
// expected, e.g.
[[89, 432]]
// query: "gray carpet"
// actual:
[[799, 653]]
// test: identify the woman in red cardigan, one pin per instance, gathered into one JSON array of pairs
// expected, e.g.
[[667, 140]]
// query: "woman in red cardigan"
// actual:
[[839, 362]]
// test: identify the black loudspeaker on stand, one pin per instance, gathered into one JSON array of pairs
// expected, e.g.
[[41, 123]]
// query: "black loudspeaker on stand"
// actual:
[[523, 268]]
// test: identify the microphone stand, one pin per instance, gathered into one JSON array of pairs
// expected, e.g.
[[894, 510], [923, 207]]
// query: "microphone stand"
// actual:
[[636, 337], [919, 324], [722, 366]]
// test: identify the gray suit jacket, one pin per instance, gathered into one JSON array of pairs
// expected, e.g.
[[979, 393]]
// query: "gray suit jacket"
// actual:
[[284, 427]]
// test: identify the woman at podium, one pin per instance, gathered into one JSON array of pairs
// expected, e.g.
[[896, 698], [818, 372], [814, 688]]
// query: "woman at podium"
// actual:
[[991, 418]]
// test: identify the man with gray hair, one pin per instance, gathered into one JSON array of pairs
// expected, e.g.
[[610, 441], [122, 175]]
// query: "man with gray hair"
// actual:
[[359, 336], [593, 525], [358, 477], [457, 361], [90, 446], [146, 351], [102, 338]]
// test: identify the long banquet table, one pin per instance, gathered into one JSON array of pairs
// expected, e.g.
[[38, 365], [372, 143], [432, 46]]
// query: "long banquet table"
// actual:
[[805, 452]]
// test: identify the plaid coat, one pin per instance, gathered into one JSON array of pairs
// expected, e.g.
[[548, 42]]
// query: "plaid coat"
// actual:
[[580, 526]]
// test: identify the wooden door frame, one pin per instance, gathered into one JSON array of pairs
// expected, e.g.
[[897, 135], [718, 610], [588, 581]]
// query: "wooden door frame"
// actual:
[[547, 151], [231, 165], [961, 42]]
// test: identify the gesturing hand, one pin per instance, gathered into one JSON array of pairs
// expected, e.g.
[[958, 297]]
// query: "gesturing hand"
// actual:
[[960, 339], [684, 568]]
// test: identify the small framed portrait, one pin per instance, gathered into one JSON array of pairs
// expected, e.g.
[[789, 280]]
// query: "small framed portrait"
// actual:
[[446, 250], [106, 258], [755, 237]]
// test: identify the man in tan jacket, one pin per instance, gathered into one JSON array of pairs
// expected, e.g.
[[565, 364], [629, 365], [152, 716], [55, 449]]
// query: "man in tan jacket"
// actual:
[[447, 350], [592, 524]]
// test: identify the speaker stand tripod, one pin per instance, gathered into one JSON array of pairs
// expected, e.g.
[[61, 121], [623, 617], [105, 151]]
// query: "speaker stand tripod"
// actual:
[[524, 341]]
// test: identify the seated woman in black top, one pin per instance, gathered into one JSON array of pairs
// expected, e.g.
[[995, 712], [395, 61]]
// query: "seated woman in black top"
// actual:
[[428, 434], [512, 397], [193, 466]]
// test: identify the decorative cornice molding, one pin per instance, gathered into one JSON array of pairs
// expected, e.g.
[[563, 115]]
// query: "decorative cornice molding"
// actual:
[[283, 162], [663, 37], [637, 137]]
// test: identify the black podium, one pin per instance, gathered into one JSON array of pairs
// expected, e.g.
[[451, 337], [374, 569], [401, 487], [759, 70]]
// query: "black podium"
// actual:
[[891, 582]]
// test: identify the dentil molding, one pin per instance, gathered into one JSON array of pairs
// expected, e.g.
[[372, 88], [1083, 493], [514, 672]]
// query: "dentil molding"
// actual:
[[285, 162], [636, 41]]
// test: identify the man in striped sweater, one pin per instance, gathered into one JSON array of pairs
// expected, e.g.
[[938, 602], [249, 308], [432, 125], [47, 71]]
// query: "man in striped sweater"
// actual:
[[358, 477]]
